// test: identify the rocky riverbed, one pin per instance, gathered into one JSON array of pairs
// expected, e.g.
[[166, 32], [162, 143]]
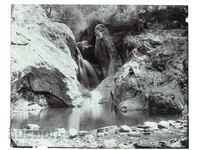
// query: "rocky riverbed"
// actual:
[[165, 134]]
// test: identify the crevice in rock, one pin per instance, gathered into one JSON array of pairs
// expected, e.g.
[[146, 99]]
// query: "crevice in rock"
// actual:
[[19, 44]]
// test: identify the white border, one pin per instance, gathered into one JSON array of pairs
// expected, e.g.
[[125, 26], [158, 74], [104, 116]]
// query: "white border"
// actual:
[[194, 57], [130, 2]]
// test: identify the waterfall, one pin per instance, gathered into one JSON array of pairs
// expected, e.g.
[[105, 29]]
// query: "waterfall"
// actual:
[[87, 75]]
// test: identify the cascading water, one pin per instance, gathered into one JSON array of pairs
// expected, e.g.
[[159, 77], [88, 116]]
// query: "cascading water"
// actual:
[[87, 75]]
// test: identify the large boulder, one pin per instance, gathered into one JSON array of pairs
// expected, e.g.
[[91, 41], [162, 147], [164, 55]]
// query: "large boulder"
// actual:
[[177, 69], [132, 81], [124, 128], [166, 98], [73, 133], [127, 90], [36, 42], [47, 83]]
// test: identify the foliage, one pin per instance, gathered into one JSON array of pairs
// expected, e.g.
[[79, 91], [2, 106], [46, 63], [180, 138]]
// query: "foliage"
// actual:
[[83, 18]]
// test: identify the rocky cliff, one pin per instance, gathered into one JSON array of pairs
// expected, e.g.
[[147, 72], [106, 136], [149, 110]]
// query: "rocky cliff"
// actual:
[[139, 64], [42, 68], [154, 78]]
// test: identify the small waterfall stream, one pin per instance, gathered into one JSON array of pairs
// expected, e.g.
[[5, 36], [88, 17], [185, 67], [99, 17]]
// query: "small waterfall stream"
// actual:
[[86, 75]]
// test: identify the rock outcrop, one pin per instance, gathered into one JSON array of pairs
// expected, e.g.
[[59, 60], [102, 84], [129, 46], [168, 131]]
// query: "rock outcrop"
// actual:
[[105, 51], [166, 99], [46, 84], [155, 75], [39, 45]]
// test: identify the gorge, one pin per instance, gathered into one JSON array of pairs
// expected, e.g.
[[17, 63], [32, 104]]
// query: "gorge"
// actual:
[[121, 74]]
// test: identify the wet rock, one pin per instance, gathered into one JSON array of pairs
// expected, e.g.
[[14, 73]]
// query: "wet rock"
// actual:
[[179, 121], [127, 89], [137, 103], [60, 132], [134, 134], [100, 134], [32, 127], [147, 132], [146, 144], [152, 125], [124, 128], [176, 144], [178, 124], [46, 83], [123, 146], [162, 144], [73, 133], [143, 126], [134, 128], [111, 143], [172, 123], [109, 129], [83, 133], [167, 98], [163, 124], [89, 136]]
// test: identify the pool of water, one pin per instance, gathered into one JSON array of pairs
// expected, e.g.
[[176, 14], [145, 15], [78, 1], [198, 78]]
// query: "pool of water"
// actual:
[[83, 118]]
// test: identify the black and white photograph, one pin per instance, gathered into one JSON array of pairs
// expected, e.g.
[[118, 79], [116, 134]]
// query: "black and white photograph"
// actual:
[[99, 76]]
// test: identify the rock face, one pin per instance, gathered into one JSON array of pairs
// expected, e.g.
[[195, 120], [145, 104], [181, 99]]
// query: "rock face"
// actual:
[[137, 103], [105, 51], [166, 98], [39, 45], [47, 83], [155, 77]]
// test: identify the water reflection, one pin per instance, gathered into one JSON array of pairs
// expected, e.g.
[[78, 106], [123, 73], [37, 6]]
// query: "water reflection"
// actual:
[[84, 118]]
